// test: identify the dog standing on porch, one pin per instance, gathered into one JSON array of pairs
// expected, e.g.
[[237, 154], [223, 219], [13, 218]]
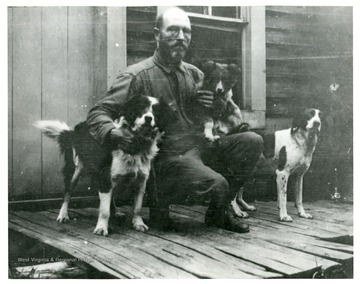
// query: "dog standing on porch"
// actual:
[[293, 151]]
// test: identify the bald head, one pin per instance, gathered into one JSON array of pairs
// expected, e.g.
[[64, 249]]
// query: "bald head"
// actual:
[[171, 13]]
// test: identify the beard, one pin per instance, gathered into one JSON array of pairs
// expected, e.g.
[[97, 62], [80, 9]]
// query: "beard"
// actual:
[[173, 50]]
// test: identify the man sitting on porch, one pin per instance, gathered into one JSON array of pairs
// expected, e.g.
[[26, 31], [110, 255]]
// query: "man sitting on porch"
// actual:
[[185, 167]]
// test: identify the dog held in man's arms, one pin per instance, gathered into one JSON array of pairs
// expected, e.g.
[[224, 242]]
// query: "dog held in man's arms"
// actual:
[[112, 169], [225, 117]]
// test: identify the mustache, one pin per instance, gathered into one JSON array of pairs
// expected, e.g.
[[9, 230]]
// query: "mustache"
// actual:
[[179, 42]]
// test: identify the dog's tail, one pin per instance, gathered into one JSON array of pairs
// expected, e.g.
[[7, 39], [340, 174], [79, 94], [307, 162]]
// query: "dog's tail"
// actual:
[[58, 131]]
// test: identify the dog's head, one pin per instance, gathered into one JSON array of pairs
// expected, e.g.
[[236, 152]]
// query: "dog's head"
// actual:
[[219, 78], [308, 120], [138, 112]]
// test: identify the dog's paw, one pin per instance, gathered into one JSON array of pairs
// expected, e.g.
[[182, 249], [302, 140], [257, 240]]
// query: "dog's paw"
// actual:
[[101, 229], [139, 225], [306, 216], [242, 214], [237, 211], [244, 127], [250, 208], [285, 218], [213, 138], [63, 218]]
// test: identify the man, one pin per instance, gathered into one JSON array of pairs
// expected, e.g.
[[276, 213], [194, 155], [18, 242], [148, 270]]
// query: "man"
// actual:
[[185, 166]]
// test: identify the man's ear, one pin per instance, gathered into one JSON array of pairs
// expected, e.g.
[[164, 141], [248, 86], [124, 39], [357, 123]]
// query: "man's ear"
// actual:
[[157, 34]]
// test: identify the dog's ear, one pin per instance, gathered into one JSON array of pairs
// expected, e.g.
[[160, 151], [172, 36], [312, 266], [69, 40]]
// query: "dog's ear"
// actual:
[[234, 70], [208, 67], [299, 122]]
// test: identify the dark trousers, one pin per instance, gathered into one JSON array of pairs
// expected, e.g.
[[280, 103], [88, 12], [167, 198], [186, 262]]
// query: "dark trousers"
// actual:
[[215, 172]]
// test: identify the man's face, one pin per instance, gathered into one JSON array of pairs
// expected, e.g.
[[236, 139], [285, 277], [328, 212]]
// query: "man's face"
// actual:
[[174, 36]]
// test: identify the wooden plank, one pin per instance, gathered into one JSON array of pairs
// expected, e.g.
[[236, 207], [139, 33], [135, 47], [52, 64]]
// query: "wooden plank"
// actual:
[[80, 63], [54, 92], [56, 270], [101, 62], [81, 66], [26, 101], [116, 42], [289, 37], [289, 22], [10, 101], [261, 230], [321, 225], [68, 245], [220, 240], [270, 230], [194, 247], [164, 250], [124, 259], [297, 226], [192, 244], [99, 257]]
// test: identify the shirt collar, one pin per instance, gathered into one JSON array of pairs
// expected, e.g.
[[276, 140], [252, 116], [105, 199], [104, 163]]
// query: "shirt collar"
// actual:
[[164, 65]]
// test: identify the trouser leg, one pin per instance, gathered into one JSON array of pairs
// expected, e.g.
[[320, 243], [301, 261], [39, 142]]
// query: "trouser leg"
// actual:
[[235, 157], [183, 176]]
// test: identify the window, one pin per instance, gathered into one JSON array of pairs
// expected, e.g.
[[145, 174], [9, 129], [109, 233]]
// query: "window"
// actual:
[[227, 12], [216, 36]]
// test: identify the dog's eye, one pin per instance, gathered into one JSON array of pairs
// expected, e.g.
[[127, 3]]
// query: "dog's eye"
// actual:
[[311, 113]]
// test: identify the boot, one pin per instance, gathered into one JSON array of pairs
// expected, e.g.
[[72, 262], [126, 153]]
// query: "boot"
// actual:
[[225, 219]]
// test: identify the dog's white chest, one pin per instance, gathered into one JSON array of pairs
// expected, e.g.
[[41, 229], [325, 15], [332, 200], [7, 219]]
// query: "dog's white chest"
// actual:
[[123, 164], [297, 154]]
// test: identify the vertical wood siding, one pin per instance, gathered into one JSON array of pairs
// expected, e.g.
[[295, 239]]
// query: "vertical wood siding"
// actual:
[[55, 72], [26, 100]]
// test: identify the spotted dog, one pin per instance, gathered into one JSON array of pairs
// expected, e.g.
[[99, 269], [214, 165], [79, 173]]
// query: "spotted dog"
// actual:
[[293, 149], [111, 169]]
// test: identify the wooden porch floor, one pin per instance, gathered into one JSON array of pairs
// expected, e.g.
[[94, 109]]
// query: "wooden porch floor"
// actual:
[[271, 250]]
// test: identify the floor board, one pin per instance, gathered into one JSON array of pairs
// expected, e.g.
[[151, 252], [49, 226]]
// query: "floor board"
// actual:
[[272, 249]]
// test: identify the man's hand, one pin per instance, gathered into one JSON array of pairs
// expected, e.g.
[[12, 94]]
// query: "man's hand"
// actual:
[[205, 98], [123, 138]]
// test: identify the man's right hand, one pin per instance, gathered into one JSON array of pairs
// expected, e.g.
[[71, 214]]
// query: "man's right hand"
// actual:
[[124, 139]]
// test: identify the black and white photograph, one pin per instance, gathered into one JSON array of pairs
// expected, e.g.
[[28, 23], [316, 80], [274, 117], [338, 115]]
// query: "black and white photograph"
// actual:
[[180, 142]]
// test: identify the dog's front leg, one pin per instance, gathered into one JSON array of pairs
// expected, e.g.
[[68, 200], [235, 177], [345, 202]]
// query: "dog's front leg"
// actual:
[[104, 213], [238, 200], [208, 131], [281, 183], [137, 220], [298, 194]]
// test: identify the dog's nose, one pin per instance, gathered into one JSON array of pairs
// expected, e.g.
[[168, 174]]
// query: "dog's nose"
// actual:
[[316, 124], [148, 119]]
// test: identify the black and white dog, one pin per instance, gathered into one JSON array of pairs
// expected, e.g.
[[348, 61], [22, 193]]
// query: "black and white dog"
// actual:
[[111, 169], [220, 79], [294, 148]]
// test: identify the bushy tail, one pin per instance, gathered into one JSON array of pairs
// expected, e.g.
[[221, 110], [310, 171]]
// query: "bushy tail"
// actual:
[[57, 130]]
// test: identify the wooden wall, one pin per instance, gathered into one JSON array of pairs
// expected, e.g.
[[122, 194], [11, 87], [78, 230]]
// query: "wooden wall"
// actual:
[[56, 71]]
